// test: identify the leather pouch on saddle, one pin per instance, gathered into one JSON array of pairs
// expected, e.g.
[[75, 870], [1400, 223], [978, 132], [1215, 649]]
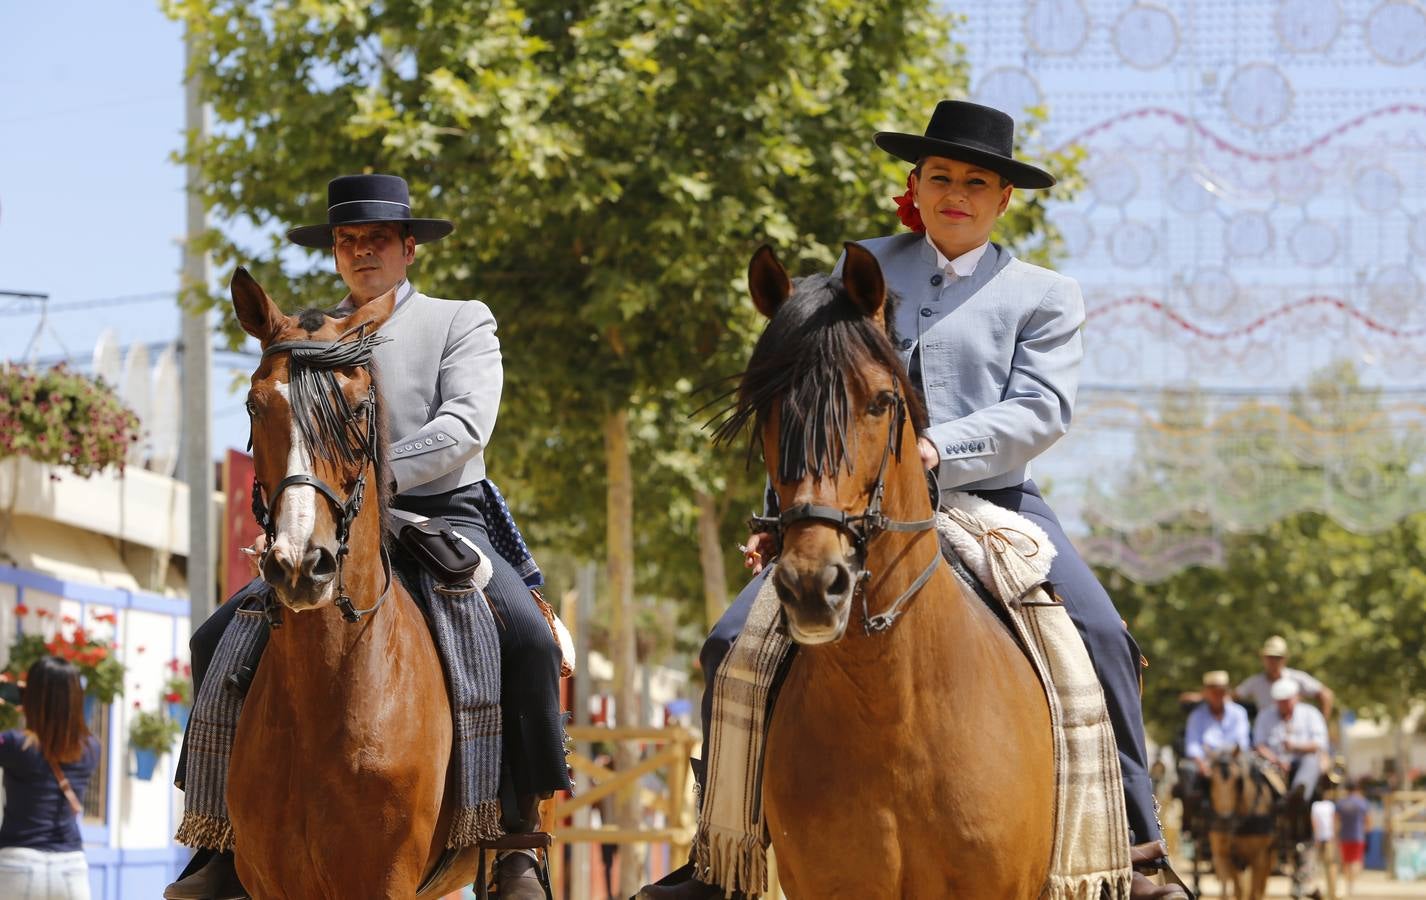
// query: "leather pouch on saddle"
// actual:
[[445, 553]]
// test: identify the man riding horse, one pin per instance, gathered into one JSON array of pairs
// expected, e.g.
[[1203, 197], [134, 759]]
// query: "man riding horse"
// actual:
[[993, 345], [441, 385]]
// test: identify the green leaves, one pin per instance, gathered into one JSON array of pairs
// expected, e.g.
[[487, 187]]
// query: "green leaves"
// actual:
[[610, 165]]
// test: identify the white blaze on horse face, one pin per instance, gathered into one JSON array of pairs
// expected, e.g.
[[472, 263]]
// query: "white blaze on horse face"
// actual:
[[298, 516]]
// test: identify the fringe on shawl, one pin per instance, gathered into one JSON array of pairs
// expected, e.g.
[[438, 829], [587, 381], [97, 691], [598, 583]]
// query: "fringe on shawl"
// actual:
[[472, 825], [205, 832], [739, 860]]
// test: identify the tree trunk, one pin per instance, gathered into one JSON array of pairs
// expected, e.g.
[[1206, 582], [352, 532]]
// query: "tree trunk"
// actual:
[[619, 540], [710, 558]]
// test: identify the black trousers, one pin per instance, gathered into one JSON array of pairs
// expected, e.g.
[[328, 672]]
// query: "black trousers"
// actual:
[[530, 659]]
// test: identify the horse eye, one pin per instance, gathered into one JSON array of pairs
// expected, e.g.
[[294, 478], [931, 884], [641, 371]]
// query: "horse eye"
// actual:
[[252, 409], [880, 403]]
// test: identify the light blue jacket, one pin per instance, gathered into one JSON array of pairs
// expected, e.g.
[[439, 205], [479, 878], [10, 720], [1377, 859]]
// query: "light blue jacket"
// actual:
[[1000, 353]]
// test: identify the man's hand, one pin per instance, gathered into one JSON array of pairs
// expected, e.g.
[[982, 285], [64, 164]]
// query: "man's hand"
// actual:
[[929, 457], [254, 554], [759, 547]]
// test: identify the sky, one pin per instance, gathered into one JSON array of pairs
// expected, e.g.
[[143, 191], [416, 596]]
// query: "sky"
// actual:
[[92, 207]]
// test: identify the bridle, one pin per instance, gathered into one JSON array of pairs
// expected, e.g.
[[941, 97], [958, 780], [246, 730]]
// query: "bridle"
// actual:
[[866, 526], [328, 355]]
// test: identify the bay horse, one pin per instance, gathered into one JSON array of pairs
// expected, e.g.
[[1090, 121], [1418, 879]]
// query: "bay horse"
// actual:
[[910, 755], [340, 783], [1242, 831]]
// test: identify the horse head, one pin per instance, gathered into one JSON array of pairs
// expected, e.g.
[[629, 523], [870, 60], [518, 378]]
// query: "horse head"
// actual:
[[836, 417], [1225, 782], [316, 439]]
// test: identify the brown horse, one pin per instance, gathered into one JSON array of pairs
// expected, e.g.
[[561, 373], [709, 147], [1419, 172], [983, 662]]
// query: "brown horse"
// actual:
[[1242, 831], [909, 753], [340, 784]]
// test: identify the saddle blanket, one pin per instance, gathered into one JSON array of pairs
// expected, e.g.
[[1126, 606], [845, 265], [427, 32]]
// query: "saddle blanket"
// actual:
[[464, 631], [1011, 557]]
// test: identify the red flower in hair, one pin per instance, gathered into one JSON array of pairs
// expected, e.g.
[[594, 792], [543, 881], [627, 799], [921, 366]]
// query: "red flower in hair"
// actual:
[[906, 209]]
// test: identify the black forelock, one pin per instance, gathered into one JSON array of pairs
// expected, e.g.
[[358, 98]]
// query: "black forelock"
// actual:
[[311, 319], [817, 340]]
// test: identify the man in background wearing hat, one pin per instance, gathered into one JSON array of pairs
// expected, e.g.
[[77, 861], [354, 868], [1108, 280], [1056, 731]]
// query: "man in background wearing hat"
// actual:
[[441, 378], [1215, 724], [1293, 737], [1257, 688], [992, 343]]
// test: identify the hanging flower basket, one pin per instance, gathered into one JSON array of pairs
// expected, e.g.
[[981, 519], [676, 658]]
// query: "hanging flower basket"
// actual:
[[63, 418]]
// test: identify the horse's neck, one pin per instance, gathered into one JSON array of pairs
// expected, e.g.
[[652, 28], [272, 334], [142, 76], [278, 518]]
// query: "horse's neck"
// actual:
[[320, 657]]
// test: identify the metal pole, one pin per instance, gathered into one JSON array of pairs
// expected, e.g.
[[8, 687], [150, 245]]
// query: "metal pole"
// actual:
[[581, 862], [197, 374]]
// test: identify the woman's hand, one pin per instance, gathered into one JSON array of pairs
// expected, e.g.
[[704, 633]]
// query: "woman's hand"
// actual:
[[929, 457], [756, 552]]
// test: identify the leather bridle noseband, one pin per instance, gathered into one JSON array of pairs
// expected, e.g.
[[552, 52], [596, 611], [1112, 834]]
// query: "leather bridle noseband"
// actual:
[[328, 355], [865, 527]]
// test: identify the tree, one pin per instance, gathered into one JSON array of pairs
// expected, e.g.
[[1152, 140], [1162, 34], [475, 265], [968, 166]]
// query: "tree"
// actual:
[[612, 166], [1351, 603]]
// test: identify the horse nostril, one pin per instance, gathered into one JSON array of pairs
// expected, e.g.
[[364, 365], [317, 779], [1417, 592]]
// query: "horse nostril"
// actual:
[[840, 581], [785, 594], [319, 565]]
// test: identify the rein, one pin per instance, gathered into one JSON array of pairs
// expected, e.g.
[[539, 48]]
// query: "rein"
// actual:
[[319, 356], [863, 528]]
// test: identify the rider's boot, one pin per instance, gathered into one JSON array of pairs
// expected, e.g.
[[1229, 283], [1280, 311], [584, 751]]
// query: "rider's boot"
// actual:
[[213, 878], [517, 872], [680, 884]]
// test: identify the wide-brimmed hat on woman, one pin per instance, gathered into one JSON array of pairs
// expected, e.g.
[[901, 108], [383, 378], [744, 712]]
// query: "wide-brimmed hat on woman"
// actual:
[[970, 133], [363, 199]]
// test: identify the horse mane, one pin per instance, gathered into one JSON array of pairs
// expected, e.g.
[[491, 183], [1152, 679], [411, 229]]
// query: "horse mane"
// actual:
[[815, 342], [325, 418]]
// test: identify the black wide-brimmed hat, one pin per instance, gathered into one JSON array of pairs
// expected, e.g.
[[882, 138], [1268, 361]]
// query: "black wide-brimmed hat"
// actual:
[[970, 133], [362, 199]]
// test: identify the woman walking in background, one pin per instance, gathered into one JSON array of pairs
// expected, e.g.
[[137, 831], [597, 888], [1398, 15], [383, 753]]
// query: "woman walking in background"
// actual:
[[47, 766]]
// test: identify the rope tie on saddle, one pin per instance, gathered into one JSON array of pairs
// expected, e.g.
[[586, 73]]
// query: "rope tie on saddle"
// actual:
[[321, 410], [866, 527]]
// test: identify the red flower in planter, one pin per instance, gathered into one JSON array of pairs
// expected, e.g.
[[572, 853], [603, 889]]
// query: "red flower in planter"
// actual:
[[21, 609]]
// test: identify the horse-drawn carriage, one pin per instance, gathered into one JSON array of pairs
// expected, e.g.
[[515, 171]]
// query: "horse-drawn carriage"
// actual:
[[1239, 824]]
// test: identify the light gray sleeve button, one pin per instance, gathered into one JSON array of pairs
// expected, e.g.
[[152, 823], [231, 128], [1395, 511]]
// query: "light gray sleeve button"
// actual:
[[440, 437], [429, 442]]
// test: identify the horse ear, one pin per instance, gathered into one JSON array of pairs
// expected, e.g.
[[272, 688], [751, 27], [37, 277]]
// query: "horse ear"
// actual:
[[373, 312], [258, 315], [768, 281], [861, 275]]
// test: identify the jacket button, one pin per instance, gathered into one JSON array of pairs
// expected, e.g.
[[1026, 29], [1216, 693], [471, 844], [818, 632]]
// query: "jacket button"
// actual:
[[440, 437], [936, 280], [926, 312], [408, 446], [399, 450], [906, 344], [429, 442]]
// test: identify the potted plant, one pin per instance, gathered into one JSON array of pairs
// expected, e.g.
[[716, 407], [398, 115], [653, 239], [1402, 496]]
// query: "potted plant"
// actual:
[[99, 668], [178, 691], [151, 734]]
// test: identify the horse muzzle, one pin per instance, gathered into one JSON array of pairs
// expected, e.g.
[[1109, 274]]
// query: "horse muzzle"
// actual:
[[304, 580], [817, 599]]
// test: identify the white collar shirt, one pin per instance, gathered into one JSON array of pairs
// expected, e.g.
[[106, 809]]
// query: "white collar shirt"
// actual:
[[962, 265], [403, 293]]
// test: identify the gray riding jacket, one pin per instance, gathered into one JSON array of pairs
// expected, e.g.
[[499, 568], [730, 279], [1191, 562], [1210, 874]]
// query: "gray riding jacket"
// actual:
[[440, 377], [999, 356]]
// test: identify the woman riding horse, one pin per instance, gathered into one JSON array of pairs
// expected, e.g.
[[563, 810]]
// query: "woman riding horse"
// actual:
[[993, 346]]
